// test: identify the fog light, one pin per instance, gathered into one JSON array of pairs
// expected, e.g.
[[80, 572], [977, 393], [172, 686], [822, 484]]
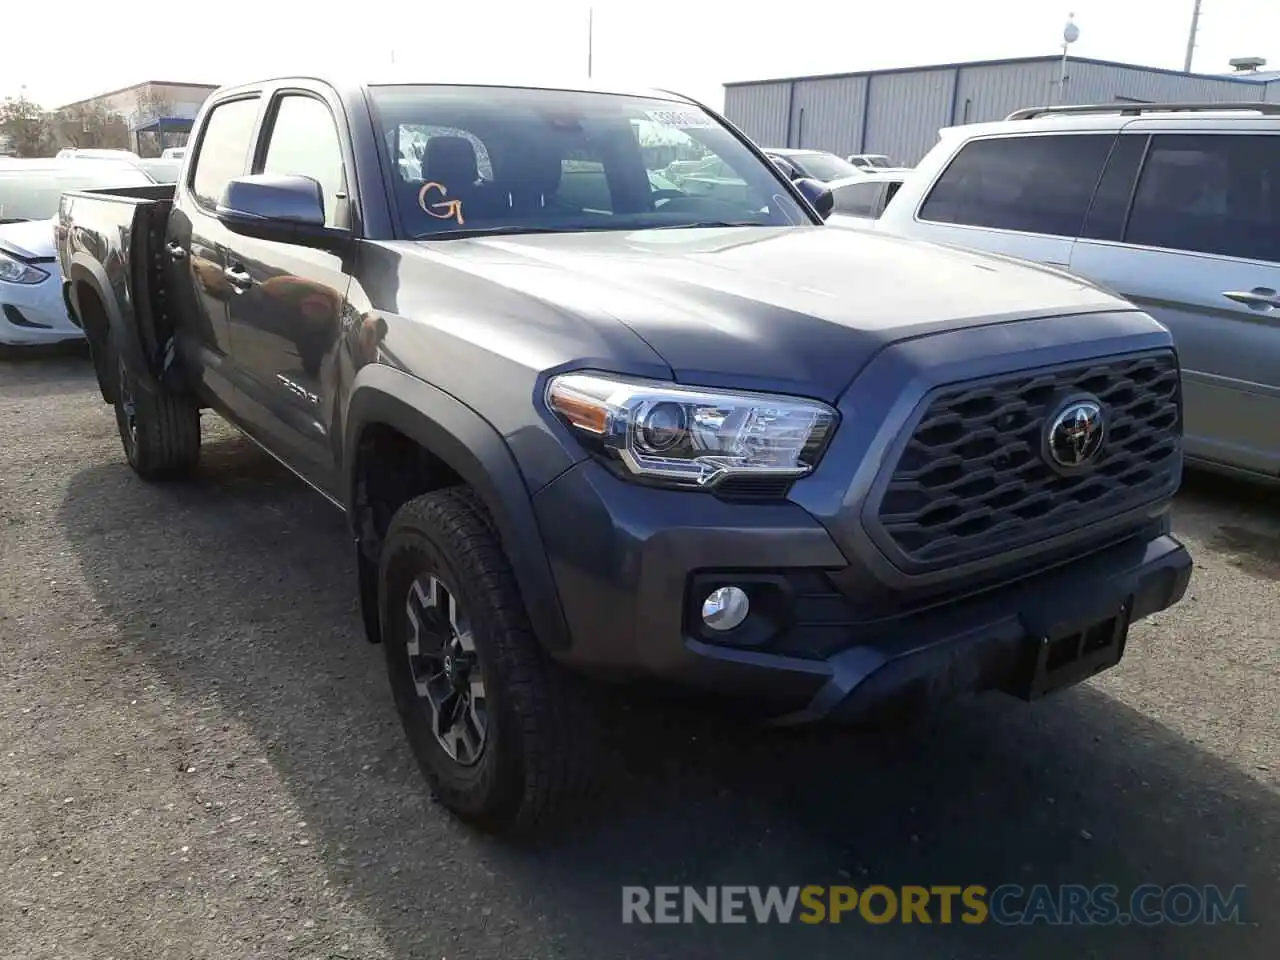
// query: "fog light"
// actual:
[[725, 608]]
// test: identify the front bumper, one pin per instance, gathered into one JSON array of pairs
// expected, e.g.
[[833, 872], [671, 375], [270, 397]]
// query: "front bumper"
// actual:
[[632, 564], [35, 313]]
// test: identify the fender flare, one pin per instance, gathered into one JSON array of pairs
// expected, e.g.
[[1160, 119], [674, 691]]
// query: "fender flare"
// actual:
[[474, 450], [85, 271]]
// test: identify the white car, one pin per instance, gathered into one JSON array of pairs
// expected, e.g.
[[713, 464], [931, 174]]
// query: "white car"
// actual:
[[1175, 207], [173, 153], [32, 310], [870, 161], [859, 201]]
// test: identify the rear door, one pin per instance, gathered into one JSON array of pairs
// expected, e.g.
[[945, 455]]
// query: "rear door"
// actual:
[[1025, 196], [1194, 239], [196, 242], [287, 313]]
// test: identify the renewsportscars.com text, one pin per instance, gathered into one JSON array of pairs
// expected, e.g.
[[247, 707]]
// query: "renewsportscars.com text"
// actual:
[[1007, 904]]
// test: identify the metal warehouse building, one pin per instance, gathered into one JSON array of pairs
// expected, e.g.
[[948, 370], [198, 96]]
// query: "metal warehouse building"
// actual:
[[899, 112]]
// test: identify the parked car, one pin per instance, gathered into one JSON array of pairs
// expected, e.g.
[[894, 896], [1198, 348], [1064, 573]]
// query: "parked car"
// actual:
[[859, 200], [812, 164], [712, 443], [161, 170], [32, 310], [96, 153], [870, 161], [1175, 207]]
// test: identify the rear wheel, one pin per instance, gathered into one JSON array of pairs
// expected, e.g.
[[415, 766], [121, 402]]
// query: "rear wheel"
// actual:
[[499, 730], [160, 428]]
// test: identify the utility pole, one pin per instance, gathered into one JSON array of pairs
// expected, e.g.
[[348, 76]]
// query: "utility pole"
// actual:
[[590, 37], [1191, 37]]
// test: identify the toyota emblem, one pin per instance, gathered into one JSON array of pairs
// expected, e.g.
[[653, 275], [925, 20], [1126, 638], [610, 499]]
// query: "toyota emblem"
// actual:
[[1076, 434]]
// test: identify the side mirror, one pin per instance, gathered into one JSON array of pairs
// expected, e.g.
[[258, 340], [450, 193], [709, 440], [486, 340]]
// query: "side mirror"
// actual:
[[274, 207], [818, 194]]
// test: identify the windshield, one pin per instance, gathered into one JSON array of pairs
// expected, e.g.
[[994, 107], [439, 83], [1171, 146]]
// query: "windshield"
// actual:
[[33, 193], [497, 159], [822, 166]]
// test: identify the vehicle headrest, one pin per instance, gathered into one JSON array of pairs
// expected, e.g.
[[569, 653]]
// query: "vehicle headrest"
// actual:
[[451, 161]]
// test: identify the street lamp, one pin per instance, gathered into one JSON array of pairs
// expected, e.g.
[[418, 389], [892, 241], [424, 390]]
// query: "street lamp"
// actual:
[[1070, 34]]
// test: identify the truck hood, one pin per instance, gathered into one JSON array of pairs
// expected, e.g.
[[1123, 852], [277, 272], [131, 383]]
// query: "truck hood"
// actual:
[[796, 308], [31, 239]]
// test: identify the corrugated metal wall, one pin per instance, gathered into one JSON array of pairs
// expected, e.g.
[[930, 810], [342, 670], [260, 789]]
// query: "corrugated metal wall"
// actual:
[[993, 92], [904, 110], [760, 110], [1095, 83], [827, 115]]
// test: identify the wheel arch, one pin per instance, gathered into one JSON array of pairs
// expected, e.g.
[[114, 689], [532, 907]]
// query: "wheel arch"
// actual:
[[93, 299], [383, 398]]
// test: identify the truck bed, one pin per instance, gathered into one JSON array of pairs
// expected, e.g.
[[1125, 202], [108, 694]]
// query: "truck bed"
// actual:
[[110, 245]]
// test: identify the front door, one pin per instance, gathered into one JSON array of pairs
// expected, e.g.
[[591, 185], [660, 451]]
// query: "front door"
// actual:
[[1201, 253], [195, 247], [287, 309]]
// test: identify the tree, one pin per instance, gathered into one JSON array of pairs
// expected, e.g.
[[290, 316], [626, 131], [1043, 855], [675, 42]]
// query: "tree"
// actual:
[[26, 127], [91, 125]]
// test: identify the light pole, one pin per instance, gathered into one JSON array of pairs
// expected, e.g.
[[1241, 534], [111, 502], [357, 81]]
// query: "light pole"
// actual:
[[590, 37], [1191, 37], [1070, 34]]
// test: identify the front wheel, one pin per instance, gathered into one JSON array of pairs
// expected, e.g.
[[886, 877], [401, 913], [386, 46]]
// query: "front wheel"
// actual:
[[498, 729], [159, 429]]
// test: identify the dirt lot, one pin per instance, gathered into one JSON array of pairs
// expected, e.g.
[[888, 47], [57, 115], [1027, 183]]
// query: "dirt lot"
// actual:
[[198, 757]]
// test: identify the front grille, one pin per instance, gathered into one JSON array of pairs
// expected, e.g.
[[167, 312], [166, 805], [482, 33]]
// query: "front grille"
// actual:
[[973, 482]]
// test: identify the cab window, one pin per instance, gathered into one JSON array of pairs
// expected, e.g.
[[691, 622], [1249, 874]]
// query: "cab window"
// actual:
[[304, 142], [224, 149]]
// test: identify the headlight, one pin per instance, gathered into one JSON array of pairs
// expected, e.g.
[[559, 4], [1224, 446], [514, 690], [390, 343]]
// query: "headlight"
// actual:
[[691, 437], [15, 271]]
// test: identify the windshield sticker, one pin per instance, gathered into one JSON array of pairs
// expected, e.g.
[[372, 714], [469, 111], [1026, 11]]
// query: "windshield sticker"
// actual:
[[445, 210], [684, 119]]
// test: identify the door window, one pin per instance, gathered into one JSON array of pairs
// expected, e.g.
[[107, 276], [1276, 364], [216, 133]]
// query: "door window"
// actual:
[[858, 199], [1210, 193], [1039, 184], [1115, 189], [224, 148], [304, 142]]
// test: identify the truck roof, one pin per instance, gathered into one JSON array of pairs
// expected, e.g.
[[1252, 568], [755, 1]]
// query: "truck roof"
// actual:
[[400, 77]]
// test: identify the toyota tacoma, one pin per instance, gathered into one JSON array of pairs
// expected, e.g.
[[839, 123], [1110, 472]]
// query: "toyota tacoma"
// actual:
[[586, 424]]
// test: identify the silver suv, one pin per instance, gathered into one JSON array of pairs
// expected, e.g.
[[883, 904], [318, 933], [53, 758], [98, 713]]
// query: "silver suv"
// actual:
[[1174, 206]]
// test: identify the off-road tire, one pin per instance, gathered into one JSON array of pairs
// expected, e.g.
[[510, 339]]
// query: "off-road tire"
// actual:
[[537, 765], [159, 428]]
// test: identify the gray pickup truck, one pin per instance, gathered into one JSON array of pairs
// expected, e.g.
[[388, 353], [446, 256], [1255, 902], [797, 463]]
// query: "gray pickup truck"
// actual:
[[587, 425]]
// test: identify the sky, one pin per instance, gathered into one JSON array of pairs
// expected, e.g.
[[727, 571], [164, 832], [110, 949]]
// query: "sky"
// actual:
[[692, 46]]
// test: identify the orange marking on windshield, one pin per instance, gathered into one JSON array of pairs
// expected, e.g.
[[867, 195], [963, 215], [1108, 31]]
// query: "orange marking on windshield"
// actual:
[[448, 210]]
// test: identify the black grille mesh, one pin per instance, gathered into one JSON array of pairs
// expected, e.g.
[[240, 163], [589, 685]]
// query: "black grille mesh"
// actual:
[[972, 481]]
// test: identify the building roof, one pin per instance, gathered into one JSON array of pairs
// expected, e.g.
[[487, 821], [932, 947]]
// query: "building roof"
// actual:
[[1230, 78], [208, 87]]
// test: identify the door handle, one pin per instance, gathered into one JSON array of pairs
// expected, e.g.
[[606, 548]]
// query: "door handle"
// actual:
[[238, 277], [175, 251], [1260, 297]]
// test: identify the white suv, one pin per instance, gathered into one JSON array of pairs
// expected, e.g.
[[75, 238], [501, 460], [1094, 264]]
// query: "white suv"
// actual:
[[1174, 206]]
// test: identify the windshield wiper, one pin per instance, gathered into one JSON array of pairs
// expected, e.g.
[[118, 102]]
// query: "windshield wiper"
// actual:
[[488, 232], [4, 220], [696, 224]]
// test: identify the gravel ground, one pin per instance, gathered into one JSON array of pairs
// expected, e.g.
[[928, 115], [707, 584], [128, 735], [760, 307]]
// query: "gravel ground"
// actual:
[[198, 755]]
